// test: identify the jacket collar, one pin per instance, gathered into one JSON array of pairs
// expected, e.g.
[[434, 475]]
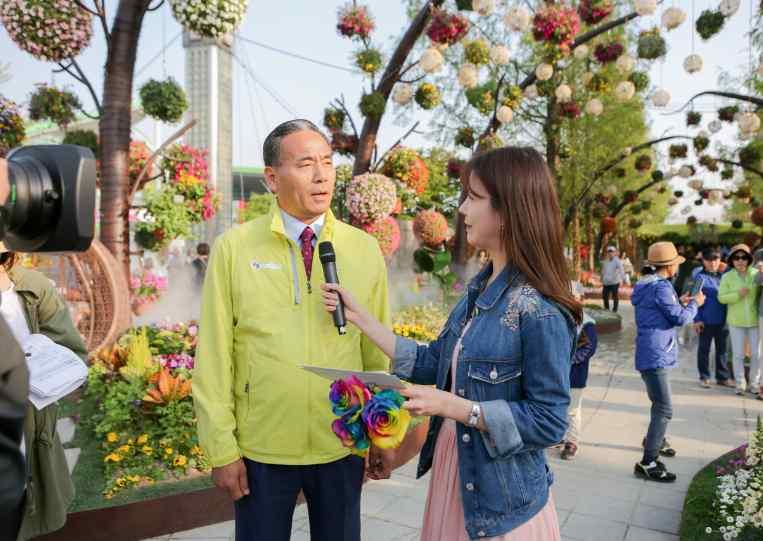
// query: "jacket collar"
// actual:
[[277, 226], [22, 285], [485, 298]]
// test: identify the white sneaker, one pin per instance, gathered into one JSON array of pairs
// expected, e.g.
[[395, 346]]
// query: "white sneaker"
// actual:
[[741, 388], [754, 389]]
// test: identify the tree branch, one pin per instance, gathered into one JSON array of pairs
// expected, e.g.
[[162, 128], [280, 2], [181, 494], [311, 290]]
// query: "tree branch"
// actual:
[[343, 107], [157, 6], [738, 164], [397, 144], [82, 5], [82, 78], [741, 97], [412, 81]]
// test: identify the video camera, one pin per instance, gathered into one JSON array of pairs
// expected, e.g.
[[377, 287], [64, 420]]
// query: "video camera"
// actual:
[[51, 204]]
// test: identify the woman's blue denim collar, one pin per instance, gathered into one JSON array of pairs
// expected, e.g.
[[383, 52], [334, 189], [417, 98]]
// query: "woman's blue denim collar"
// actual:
[[487, 298]]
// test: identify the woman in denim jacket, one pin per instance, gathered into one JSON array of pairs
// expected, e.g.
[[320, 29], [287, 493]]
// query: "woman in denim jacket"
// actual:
[[501, 364]]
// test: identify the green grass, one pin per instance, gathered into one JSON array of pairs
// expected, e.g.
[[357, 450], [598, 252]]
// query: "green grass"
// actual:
[[88, 474]]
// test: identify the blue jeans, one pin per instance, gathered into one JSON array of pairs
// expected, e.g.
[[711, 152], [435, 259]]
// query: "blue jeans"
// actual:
[[709, 334], [657, 383]]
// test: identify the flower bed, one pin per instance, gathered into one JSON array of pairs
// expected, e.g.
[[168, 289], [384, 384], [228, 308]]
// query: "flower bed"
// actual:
[[420, 322]]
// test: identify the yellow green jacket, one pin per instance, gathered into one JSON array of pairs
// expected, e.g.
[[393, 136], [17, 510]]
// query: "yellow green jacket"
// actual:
[[261, 320], [742, 312]]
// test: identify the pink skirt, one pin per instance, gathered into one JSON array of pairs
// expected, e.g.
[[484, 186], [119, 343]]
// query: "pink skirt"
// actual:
[[444, 513]]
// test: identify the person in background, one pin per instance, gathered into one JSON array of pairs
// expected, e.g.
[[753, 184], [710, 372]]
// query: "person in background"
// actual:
[[586, 347], [612, 276], [739, 291], [627, 270], [685, 269], [710, 321], [31, 305], [658, 313], [200, 263]]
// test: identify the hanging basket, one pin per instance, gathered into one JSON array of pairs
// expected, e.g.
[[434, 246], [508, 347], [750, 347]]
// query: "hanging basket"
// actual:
[[678, 151], [431, 228], [709, 23], [640, 80], [727, 114], [447, 28], [608, 225], [163, 100], [557, 25], [701, 143], [643, 163], [594, 11], [333, 119], [609, 52], [405, 165], [693, 118], [371, 197], [651, 45], [210, 18], [428, 96], [355, 22], [483, 97], [372, 105], [465, 137], [13, 131], [387, 234]]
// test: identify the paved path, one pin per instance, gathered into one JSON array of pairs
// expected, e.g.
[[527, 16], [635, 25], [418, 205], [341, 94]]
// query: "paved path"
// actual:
[[597, 496]]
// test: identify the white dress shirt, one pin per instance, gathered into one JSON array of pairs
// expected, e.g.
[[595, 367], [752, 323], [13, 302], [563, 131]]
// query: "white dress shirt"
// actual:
[[295, 227]]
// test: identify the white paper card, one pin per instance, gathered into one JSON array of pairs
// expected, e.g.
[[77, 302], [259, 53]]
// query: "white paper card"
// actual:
[[54, 370], [382, 379]]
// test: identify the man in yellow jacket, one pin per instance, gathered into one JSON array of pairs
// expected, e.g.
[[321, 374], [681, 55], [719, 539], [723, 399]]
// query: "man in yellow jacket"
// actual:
[[265, 423]]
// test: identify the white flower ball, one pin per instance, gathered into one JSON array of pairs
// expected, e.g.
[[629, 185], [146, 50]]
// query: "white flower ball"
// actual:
[[749, 123], [673, 17], [684, 171], [693, 63], [483, 7], [467, 75], [729, 7], [500, 55], [672, 201], [563, 93], [581, 52], [625, 64], [594, 107], [661, 98], [544, 72], [627, 151], [695, 184], [530, 92], [403, 93], [431, 61], [504, 114], [517, 19], [645, 7], [625, 91]]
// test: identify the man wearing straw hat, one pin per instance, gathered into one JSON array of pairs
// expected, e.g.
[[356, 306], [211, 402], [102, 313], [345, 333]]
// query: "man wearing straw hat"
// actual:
[[658, 313]]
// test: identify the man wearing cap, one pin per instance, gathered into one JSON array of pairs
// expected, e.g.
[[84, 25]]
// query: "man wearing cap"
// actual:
[[658, 313], [612, 275], [710, 321]]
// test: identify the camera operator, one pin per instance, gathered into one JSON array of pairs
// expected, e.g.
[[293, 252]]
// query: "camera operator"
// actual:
[[14, 389]]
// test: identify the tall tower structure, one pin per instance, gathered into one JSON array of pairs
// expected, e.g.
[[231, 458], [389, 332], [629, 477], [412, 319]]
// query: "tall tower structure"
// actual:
[[209, 84]]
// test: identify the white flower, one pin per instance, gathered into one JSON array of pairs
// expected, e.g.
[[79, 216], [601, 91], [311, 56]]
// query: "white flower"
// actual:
[[708, 530], [483, 7], [693, 63], [504, 114], [594, 107], [729, 7], [748, 122], [544, 72], [673, 17], [467, 75], [431, 61], [661, 98], [500, 55], [625, 64], [581, 51], [645, 7], [517, 19], [625, 91], [563, 93], [531, 92], [403, 93]]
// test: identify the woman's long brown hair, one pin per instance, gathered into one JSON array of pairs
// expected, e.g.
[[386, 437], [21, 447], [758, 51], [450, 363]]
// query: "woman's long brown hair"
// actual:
[[522, 191]]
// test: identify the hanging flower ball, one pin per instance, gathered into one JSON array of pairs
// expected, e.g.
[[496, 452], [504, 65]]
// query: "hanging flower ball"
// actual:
[[640, 80], [468, 76], [387, 233], [569, 109], [428, 96], [625, 64], [581, 52], [685, 171], [678, 151], [455, 167], [563, 93], [430, 227], [608, 52], [405, 165], [489, 142], [608, 225], [651, 45], [627, 151], [709, 23], [483, 7], [50, 103], [544, 72], [673, 17], [696, 184], [693, 63], [645, 7], [431, 61], [211, 19], [13, 131], [368, 60], [354, 21], [447, 28], [49, 30], [749, 123], [518, 19], [371, 197], [477, 52], [556, 24], [594, 11], [643, 163], [693, 118], [500, 55], [672, 201], [715, 126], [482, 97], [530, 92], [594, 107], [465, 137], [372, 105], [504, 114], [403, 93], [163, 100], [729, 7], [728, 113], [625, 90]]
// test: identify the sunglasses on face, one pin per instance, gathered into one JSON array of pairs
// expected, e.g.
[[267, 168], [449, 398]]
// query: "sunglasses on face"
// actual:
[[739, 258]]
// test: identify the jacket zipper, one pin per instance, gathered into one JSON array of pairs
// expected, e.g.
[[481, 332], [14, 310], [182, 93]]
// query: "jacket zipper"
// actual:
[[294, 272]]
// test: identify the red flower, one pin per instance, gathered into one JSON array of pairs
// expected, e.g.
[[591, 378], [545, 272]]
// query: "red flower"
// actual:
[[447, 28], [355, 21]]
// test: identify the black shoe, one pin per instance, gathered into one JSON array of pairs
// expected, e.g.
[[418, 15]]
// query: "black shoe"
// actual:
[[654, 471], [666, 450], [570, 450]]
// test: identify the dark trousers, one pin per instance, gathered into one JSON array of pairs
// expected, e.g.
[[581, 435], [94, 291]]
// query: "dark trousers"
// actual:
[[657, 383], [710, 334], [612, 291], [332, 492]]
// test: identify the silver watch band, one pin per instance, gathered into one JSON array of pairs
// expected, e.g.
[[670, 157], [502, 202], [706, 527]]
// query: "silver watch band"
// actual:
[[474, 415]]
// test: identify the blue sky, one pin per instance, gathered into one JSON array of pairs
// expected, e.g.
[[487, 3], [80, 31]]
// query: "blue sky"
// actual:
[[307, 27]]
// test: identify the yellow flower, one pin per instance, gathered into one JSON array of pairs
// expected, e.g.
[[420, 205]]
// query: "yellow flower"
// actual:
[[113, 457], [125, 449], [121, 482], [168, 451], [148, 480], [196, 450], [180, 460], [111, 437], [108, 495], [130, 441], [142, 439], [133, 478], [147, 450]]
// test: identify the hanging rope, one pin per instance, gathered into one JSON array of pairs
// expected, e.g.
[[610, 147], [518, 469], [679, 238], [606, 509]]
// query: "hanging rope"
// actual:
[[298, 56]]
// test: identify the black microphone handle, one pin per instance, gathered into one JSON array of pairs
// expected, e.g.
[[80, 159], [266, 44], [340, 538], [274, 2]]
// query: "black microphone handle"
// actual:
[[329, 272]]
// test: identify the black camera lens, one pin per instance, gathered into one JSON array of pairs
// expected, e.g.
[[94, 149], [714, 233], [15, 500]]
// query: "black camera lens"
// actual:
[[51, 205]]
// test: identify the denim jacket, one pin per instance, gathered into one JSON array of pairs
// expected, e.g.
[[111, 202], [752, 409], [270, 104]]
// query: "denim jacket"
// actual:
[[514, 361]]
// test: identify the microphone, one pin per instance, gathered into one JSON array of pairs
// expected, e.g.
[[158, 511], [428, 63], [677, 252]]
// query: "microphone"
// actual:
[[328, 260]]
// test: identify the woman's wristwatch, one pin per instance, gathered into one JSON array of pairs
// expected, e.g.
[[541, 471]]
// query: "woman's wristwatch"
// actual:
[[474, 415]]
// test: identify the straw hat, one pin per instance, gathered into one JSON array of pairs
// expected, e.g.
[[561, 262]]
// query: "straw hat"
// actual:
[[739, 248], [662, 254]]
